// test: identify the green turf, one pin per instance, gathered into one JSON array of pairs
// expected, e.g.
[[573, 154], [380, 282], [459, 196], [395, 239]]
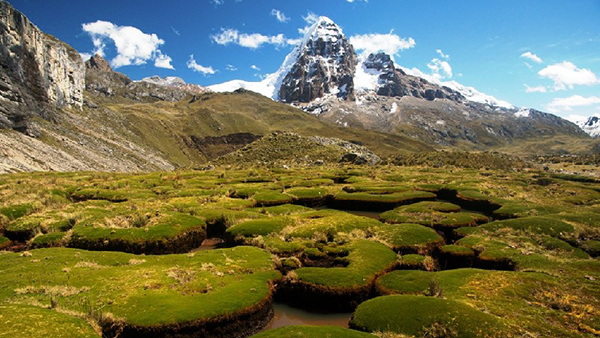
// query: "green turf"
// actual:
[[309, 331]]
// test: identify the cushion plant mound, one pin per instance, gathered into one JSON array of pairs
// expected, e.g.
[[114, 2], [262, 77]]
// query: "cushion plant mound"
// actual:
[[258, 227], [36, 322], [99, 194], [446, 220], [312, 331], [428, 206], [143, 294], [377, 188], [284, 209], [4, 242], [13, 212], [412, 261], [419, 282], [421, 316], [53, 239], [342, 288], [534, 225], [308, 196], [269, 198], [409, 238], [170, 232], [372, 201], [329, 224]]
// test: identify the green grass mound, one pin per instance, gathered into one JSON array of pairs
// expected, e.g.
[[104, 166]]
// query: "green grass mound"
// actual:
[[312, 331], [35, 322], [341, 288], [144, 295], [170, 232], [270, 198], [436, 219], [284, 209], [372, 201], [329, 224], [414, 262], [377, 188], [4, 242], [427, 283], [54, 239], [27, 227], [429, 206], [308, 196], [99, 194], [426, 317], [409, 238], [258, 227], [533, 225], [13, 212]]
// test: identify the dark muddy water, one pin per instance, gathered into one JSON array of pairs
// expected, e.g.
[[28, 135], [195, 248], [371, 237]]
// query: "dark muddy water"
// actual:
[[287, 315]]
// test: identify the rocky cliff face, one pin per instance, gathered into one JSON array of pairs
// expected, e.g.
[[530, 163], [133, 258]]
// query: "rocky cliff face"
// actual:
[[37, 71], [392, 81], [324, 64]]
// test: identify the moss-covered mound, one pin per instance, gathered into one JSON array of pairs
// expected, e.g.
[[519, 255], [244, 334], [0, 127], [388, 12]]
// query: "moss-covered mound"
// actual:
[[427, 283], [4, 242], [435, 219], [174, 295], [166, 233], [308, 196], [38, 322], [341, 288], [409, 238], [426, 316], [309, 331], [374, 201]]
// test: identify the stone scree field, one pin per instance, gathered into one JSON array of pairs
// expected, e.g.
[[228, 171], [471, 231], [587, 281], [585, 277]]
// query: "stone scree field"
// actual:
[[443, 253]]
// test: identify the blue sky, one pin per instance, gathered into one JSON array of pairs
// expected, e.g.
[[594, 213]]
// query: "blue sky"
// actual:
[[543, 54]]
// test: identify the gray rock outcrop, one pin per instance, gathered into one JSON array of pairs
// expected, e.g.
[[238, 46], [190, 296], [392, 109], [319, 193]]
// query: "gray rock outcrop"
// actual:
[[37, 71]]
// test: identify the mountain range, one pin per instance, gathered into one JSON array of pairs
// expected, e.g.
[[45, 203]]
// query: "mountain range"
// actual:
[[58, 112]]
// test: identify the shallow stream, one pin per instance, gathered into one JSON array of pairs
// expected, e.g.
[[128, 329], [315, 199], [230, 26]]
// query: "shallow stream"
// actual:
[[287, 315]]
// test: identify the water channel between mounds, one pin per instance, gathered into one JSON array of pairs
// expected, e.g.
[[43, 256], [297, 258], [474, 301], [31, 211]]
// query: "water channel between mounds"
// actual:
[[285, 314]]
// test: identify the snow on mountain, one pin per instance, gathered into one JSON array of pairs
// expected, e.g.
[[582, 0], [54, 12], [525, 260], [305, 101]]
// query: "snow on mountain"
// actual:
[[324, 63], [590, 125], [166, 81], [523, 112], [324, 29], [470, 93]]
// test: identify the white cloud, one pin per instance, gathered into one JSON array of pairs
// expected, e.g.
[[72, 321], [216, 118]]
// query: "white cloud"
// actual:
[[532, 57], [255, 67], [279, 15], [231, 68], [253, 41], [175, 31], [85, 56], [537, 89], [440, 69], [310, 18], [217, 2], [567, 103], [163, 61], [351, 1], [389, 43], [440, 53], [134, 47], [567, 75], [193, 65]]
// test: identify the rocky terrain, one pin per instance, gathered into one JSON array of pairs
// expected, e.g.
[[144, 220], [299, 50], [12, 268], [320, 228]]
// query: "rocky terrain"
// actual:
[[37, 72], [59, 113]]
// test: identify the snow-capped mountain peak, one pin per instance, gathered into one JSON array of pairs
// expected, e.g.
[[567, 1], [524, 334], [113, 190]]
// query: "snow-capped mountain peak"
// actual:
[[591, 125]]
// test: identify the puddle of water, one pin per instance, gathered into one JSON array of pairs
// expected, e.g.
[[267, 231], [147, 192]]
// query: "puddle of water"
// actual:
[[287, 315]]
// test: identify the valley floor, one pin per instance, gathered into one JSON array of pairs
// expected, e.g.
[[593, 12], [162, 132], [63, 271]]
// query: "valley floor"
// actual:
[[402, 251]]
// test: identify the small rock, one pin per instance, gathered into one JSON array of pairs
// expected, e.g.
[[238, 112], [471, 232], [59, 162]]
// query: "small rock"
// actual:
[[592, 278]]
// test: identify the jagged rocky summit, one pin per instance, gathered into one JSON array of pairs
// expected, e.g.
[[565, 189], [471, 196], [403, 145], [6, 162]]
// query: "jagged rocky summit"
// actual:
[[324, 76], [591, 126]]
